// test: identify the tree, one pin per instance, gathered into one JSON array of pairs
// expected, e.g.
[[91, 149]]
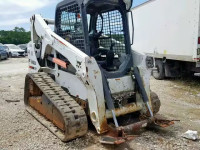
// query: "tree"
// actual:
[[16, 36], [17, 29]]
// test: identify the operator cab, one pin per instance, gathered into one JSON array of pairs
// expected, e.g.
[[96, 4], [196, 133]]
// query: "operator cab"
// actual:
[[100, 29], [106, 35]]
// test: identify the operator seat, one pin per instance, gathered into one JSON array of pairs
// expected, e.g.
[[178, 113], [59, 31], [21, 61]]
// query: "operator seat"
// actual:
[[94, 43]]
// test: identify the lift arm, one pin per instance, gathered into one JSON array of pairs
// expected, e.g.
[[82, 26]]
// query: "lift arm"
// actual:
[[87, 69]]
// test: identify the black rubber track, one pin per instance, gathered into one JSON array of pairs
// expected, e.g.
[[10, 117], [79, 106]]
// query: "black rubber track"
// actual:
[[76, 124]]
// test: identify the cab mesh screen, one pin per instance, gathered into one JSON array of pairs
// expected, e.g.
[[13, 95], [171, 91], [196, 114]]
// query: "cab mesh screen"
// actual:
[[69, 25], [113, 32]]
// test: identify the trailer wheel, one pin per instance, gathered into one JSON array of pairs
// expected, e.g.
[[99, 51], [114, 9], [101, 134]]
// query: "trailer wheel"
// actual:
[[159, 74]]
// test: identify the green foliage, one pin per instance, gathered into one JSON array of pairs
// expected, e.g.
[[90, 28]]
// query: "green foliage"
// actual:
[[15, 36]]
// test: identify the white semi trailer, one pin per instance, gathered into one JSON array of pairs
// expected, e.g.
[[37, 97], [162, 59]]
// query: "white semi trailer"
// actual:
[[169, 30]]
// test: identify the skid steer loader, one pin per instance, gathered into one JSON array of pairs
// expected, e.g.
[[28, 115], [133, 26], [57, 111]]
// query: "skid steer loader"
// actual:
[[86, 69]]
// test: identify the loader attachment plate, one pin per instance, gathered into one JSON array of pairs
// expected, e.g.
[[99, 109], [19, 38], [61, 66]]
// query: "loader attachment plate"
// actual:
[[164, 122], [122, 134], [112, 140], [53, 107]]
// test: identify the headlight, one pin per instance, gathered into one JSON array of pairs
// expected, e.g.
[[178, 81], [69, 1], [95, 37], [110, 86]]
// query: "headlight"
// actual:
[[128, 4]]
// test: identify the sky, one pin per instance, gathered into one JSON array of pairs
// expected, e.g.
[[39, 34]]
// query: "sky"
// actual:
[[18, 12]]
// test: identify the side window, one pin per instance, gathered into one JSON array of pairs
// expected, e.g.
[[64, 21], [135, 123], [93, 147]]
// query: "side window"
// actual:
[[71, 21], [70, 25]]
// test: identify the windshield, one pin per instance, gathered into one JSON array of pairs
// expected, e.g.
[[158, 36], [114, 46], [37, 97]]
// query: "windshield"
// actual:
[[5, 47], [1, 48], [22, 46], [13, 47]]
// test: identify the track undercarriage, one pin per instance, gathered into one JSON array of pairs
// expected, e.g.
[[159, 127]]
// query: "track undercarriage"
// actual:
[[54, 108]]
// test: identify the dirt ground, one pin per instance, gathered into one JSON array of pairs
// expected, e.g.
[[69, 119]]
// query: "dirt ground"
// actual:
[[180, 99]]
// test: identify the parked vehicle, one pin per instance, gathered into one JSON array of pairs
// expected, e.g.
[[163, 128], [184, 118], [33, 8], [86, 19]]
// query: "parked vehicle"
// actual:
[[6, 49], [169, 30], [24, 47], [15, 51], [3, 53]]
